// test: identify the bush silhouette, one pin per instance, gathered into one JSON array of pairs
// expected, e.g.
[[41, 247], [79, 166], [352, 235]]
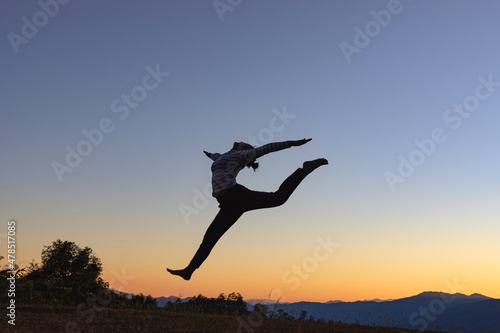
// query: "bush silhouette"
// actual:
[[67, 273]]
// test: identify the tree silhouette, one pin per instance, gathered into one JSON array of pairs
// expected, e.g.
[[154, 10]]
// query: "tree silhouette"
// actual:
[[232, 305], [67, 272], [67, 265]]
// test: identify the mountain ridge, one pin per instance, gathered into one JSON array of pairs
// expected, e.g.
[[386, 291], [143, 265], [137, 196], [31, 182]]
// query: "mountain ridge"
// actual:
[[427, 310]]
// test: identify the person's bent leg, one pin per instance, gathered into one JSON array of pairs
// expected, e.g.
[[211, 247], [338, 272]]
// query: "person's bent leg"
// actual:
[[221, 223]]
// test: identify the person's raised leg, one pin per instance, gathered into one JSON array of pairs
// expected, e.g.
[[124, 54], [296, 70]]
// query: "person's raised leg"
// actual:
[[258, 200], [310, 166]]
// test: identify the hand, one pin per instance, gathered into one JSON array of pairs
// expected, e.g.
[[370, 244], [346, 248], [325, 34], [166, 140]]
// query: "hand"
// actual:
[[300, 142]]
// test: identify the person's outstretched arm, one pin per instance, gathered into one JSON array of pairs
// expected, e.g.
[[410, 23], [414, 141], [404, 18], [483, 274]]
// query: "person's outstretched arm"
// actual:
[[212, 156], [252, 154]]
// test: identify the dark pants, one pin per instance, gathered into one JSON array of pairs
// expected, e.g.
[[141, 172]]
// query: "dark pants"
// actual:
[[237, 200]]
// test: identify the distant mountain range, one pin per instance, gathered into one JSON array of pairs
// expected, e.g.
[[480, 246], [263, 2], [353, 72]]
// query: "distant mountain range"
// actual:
[[428, 310], [162, 301]]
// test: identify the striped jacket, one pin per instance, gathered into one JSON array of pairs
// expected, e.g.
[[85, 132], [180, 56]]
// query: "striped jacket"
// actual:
[[226, 166]]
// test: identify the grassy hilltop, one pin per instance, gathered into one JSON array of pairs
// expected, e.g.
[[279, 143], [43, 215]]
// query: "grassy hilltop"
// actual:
[[66, 293], [72, 319]]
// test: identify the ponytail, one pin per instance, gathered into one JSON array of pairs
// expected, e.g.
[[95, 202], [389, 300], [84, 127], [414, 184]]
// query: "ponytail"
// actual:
[[253, 165]]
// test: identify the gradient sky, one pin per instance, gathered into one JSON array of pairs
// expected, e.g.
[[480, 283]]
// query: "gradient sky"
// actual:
[[230, 74]]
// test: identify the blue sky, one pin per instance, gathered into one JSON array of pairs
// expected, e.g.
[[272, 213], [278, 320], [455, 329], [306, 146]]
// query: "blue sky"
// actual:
[[228, 79]]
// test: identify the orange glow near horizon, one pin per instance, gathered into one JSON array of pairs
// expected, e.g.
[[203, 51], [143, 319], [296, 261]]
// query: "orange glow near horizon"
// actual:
[[287, 265], [320, 288], [352, 274]]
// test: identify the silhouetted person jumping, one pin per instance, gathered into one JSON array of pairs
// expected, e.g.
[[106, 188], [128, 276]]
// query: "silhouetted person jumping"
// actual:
[[235, 199]]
